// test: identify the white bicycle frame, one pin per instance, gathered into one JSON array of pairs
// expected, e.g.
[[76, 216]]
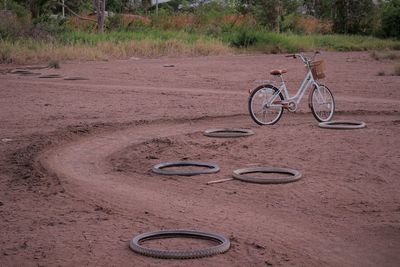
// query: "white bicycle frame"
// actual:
[[308, 80]]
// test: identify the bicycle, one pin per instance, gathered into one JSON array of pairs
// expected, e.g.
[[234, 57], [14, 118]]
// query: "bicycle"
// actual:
[[267, 102]]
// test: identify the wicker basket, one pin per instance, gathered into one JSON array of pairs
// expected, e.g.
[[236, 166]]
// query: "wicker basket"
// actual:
[[318, 69]]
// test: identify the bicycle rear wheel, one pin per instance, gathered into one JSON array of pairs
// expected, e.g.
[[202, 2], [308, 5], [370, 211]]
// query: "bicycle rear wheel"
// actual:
[[265, 105], [322, 103]]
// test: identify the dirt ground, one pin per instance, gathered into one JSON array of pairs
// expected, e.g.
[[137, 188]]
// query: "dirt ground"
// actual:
[[76, 156]]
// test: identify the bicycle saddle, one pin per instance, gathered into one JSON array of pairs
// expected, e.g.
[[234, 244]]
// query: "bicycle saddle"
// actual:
[[278, 72]]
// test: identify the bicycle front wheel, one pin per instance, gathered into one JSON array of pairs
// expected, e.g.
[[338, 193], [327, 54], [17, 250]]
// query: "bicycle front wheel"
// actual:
[[265, 105], [322, 103]]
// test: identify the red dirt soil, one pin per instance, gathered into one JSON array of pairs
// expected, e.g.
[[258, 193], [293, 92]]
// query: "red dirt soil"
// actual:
[[76, 156]]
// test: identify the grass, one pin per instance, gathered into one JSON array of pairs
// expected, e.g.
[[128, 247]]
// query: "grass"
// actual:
[[85, 46], [271, 42], [151, 42]]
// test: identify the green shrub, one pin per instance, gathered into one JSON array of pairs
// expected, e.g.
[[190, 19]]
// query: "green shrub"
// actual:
[[15, 21], [244, 38], [50, 24], [19, 10]]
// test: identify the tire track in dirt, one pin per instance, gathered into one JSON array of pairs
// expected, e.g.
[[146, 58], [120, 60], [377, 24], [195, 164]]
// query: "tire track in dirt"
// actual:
[[83, 168]]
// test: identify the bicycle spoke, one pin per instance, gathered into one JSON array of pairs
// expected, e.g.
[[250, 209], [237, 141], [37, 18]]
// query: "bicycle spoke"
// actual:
[[322, 103], [264, 105]]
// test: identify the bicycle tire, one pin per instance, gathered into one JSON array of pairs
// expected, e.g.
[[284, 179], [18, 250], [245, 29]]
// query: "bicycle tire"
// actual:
[[223, 246], [313, 109], [228, 132], [239, 174], [158, 168], [343, 125], [252, 111]]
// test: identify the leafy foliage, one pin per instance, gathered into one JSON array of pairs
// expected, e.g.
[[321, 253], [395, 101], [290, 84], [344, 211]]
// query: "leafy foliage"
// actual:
[[319, 8], [244, 38], [15, 21], [391, 19], [50, 24], [353, 16]]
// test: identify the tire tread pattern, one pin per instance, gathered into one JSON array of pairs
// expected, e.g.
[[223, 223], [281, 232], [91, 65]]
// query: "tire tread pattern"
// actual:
[[223, 246]]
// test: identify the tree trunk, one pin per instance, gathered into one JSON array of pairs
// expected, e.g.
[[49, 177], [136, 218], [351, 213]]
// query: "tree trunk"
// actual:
[[100, 7], [278, 9]]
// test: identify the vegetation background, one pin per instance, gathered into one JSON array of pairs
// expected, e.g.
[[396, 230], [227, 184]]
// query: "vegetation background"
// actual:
[[37, 31]]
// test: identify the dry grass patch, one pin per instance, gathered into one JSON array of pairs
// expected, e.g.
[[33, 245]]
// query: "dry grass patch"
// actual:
[[382, 55], [37, 52], [397, 69]]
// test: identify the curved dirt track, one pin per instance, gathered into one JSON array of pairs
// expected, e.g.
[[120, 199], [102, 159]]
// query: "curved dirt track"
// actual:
[[96, 190], [85, 167]]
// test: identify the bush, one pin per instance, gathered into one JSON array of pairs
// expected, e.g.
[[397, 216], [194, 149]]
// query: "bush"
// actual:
[[19, 10], [115, 22], [14, 22], [244, 38], [50, 24], [10, 26]]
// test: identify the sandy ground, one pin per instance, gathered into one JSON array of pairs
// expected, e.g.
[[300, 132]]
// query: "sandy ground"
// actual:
[[76, 185]]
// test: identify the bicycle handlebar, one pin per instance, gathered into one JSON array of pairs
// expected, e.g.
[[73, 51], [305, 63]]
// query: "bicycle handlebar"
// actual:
[[303, 57]]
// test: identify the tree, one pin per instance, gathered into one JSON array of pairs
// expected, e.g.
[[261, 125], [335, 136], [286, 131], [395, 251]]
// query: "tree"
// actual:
[[37, 7], [267, 12], [319, 8], [353, 16], [290, 6], [391, 19], [270, 12]]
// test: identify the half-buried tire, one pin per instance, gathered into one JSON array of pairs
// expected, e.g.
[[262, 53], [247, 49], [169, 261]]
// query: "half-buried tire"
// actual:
[[228, 132], [162, 168], [223, 244], [343, 125], [290, 175]]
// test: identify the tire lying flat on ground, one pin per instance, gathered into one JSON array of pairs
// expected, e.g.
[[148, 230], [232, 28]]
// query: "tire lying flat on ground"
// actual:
[[76, 78], [228, 132], [344, 125], [209, 168], [241, 174], [49, 76], [223, 244]]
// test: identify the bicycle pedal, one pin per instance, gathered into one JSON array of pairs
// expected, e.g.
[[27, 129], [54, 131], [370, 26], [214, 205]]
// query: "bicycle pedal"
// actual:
[[285, 104]]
